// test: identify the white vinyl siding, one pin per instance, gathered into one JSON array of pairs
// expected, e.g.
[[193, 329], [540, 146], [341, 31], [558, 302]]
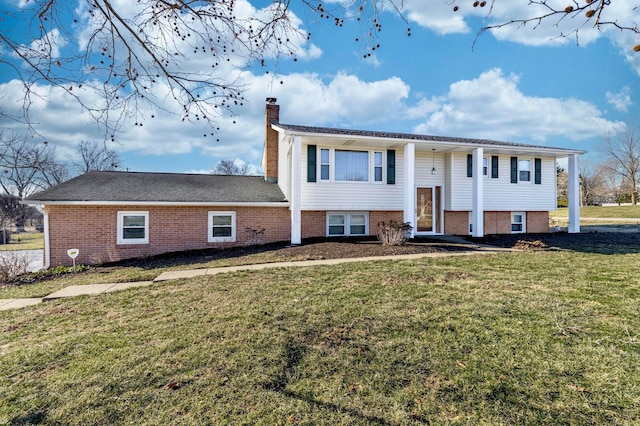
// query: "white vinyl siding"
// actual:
[[500, 194], [353, 196], [284, 167]]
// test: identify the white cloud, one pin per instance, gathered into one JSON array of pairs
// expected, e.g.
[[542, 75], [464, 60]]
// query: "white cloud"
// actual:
[[492, 106], [621, 100], [343, 98]]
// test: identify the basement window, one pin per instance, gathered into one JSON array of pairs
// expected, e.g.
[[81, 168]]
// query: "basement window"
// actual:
[[347, 224], [518, 223]]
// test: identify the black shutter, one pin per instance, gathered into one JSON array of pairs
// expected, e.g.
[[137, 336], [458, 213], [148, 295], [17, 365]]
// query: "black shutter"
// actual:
[[494, 167], [469, 165], [514, 169], [311, 163], [391, 166], [538, 171]]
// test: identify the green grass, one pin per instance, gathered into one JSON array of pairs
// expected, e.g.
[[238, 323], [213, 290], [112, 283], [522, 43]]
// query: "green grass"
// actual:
[[515, 338], [591, 212], [24, 241]]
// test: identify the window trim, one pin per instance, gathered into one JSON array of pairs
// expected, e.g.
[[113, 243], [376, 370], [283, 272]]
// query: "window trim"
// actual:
[[523, 223], [232, 237], [120, 240], [485, 167], [347, 223]]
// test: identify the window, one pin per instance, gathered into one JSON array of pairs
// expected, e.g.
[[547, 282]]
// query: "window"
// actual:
[[485, 166], [357, 224], [377, 166], [324, 164], [222, 227], [341, 165], [336, 224], [133, 228], [346, 224], [524, 170], [518, 221], [351, 166]]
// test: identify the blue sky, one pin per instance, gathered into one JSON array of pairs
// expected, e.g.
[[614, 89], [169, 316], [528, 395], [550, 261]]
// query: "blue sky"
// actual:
[[517, 85]]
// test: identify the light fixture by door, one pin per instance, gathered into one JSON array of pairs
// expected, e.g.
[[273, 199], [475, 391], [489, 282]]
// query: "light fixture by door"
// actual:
[[433, 162]]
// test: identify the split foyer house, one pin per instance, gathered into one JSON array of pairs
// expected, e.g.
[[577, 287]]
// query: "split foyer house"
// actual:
[[318, 182]]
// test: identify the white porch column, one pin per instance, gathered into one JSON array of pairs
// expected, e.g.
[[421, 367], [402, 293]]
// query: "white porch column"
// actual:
[[410, 185], [574, 194], [477, 199], [296, 190]]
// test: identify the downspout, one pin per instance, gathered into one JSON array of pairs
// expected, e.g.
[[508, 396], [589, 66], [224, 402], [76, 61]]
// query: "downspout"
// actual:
[[47, 248]]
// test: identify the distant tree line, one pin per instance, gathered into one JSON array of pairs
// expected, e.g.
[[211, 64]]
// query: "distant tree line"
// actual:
[[27, 167], [615, 179]]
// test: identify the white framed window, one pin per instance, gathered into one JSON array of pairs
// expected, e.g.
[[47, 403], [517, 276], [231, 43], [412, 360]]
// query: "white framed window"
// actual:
[[347, 224], [133, 227], [351, 165], [518, 223], [485, 166], [325, 160], [222, 227], [524, 170], [470, 223], [378, 168]]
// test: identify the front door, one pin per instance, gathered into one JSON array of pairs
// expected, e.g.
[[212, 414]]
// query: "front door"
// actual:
[[428, 210]]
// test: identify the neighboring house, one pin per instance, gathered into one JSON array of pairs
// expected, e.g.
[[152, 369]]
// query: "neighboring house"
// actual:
[[318, 182]]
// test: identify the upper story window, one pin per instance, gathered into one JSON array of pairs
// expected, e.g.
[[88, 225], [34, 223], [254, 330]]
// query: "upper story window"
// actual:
[[324, 164], [524, 170], [133, 228], [377, 166], [351, 166], [485, 166], [342, 165]]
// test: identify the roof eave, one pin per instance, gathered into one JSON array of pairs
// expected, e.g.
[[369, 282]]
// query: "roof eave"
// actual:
[[558, 152], [156, 203]]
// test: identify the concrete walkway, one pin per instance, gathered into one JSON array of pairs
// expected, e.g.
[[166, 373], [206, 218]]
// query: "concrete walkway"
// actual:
[[90, 289]]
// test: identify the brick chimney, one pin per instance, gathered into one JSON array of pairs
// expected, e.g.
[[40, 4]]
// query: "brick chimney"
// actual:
[[270, 153]]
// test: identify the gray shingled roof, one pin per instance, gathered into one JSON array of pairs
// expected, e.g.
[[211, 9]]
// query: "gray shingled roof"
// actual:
[[410, 136], [161, 187]]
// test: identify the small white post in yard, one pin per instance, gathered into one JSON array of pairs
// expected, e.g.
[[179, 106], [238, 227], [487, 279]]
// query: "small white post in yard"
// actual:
[[73, 253]]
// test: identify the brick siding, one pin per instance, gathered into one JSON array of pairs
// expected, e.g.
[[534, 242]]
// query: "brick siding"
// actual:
[[537, 222], [93, 229], [495, 222], [456, 222], [314, 222]]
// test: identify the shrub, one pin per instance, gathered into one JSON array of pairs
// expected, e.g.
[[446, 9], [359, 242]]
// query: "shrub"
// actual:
[[393, 233], [12, 264]]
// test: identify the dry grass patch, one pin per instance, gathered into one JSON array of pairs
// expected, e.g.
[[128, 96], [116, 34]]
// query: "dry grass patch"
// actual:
[[528, 338]]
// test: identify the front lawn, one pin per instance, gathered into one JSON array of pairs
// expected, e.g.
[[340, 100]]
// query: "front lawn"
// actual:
[[24, 241], [513, 338]]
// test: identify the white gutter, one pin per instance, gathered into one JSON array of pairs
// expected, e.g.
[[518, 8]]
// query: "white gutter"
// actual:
[[47, 246]]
